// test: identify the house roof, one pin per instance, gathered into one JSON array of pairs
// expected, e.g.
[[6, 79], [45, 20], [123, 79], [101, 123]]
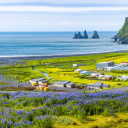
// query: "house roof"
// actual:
[[106, 85], [95, 74], [120, 68], [123, 76], [39, 79], [105, 62], [77, 70], [42, 81], [98, 84], [84, 72], [70, 83], [64, 82]]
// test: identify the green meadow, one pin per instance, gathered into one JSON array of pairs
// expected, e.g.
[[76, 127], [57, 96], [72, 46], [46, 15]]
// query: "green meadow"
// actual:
[[60, 69]]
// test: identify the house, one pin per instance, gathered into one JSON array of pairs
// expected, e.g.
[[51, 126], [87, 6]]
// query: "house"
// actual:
[[103, 65], [107, 77], [120, 68], [123, 77], [56, 83], [75, 65], [71, 85], [90, 86], [36, 80], [106, 85], [61, 84], [84, 72], [97, 86], [43, 81], [111, 68], [124, 64], [95, 75], [78, 70]]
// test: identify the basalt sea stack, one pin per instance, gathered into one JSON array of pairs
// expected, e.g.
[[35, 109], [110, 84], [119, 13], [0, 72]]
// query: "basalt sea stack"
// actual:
[[95, 35], [79, 35]]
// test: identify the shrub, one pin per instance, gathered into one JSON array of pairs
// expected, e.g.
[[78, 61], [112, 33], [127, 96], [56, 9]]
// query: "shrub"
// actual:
[[107, 112], [44, 121], [64, 121]]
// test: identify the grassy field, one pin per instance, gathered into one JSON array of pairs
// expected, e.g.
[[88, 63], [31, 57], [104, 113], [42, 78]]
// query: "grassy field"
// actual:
[[2, 83], [62, 69], [63, 110]]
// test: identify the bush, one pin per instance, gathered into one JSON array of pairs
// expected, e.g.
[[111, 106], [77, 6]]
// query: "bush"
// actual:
[[44, 121], [64, 121], [107, 113]]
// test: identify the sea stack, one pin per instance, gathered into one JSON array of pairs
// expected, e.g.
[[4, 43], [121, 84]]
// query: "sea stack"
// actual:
[[95, 35], [75, 36], [122, 36], [85, 35], [79, 35]]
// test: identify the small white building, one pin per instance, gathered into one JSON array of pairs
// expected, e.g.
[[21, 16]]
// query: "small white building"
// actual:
[[36, 80], [124, 64], [75, 65], [42, 81], [78, 70], [111, 68], [123, 77], [95, 75], [108, 77], [120, 68], [97, 86], [61, 84], [84, 72], [71, 85]]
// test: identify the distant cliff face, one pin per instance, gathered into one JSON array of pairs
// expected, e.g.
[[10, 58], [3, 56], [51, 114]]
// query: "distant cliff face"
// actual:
[[122, 35], [95, 35], [79, 36]]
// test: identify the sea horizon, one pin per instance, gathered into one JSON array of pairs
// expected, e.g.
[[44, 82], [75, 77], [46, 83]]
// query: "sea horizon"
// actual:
[[16, 44]]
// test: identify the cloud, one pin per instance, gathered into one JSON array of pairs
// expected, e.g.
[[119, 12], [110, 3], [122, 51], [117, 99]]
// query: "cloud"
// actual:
[[119, 2], [58, 9]]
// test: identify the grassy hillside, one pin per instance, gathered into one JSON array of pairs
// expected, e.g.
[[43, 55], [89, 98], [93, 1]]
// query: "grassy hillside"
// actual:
[[123, 32]]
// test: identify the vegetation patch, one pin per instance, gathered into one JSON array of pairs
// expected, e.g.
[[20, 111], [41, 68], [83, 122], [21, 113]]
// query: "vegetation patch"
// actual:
[[2, 83]]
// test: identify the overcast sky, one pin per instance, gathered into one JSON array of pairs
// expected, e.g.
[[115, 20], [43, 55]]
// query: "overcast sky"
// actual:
[[62, 15]]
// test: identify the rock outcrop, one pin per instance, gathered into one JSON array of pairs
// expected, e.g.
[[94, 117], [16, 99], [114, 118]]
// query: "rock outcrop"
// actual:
[[95, 35], [122, 36], [79, 35], [85, 35]]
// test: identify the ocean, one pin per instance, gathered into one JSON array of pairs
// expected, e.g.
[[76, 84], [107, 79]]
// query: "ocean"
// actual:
[[54, 43]]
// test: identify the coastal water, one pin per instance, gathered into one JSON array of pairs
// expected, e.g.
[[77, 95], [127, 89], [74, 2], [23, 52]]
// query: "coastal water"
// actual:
[[54, 43]]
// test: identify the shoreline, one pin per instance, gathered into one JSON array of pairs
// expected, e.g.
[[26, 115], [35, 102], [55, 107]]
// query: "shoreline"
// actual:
[[6, 60]]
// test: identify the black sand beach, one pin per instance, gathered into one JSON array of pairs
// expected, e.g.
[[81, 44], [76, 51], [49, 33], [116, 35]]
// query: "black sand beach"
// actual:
[[14, 59]]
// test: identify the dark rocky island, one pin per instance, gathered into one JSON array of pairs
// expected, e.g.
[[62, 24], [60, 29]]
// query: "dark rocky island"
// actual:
[[95, 35], [79, 36], [122, 36], [85, 36]]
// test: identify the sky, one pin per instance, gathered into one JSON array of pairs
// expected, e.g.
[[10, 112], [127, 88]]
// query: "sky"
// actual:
[[62, 15]]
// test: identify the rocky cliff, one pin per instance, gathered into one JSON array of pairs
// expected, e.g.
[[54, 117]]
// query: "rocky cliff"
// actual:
[[95, 35], [122, 36]]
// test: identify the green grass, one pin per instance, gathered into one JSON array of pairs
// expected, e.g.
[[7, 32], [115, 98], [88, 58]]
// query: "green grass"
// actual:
[[2, 83], [61, 69]]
